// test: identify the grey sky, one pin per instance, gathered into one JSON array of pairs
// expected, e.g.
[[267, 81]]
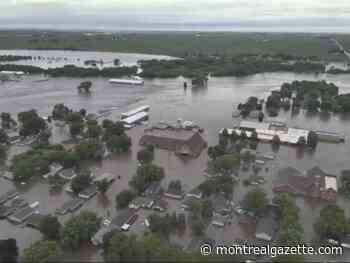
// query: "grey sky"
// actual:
[[180, 14]]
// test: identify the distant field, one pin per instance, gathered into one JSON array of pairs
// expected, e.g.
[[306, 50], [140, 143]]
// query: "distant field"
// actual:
[[172, 43]]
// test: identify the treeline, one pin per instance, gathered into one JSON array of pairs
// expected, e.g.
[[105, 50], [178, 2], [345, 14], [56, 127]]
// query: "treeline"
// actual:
[[10, 58], [313, 96], [241, 65], [73, 71]]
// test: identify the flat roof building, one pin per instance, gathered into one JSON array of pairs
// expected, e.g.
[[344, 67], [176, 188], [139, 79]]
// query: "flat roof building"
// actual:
[[88, 192], [70, 206], [134, 119], [68, 174], [21, 215], [180, 141]]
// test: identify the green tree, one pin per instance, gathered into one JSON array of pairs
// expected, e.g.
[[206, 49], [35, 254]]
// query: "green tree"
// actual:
[[256, 201], [103, 186], [7, 121], [80, 229], [118, 143], [145, 156], [93, 131], [312, 139], [332, 222], [81, 182], [50, 227], [3, 152], [89, 150], [123, 248], [76, 128], [42, 251], [207, 209], [197, 227], [29, 164], [31, 123], [60, 112], [4, 138], [124, 198], [227, 163], [145, 175]]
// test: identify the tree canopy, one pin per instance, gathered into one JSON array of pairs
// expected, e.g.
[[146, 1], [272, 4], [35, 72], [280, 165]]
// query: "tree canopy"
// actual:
[[41, 251], [80, 229]]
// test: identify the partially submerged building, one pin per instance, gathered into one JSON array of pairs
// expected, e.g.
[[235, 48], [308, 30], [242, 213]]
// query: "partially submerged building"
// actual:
[[153, 189], [55, 168], [68, 174], [70, 206], [109, 177], [89, 192], [21, 215], [178, 140], [314, 184], [8, 196], [267, 130]]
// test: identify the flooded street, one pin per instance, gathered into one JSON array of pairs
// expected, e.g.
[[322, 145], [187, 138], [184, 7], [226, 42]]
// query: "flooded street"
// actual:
[[210, 108]]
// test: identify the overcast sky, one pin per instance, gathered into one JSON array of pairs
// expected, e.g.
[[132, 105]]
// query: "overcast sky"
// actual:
[[270, 15]]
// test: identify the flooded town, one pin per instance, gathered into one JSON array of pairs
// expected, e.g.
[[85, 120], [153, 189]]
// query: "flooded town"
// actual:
[[259, 159]]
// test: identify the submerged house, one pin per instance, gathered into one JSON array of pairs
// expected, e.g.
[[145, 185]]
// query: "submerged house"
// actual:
[[21, 215], [89, 192], [68, 174], [315, 183], [70, 206], [178, 140]]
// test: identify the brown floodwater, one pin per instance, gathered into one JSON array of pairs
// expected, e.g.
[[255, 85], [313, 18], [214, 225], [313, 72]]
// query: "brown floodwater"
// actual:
[[211, 108]]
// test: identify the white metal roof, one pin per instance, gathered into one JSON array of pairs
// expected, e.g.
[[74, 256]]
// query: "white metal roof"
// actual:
[[292, 135], [331, 183], [137, 110], [126, 81], [135, 118]]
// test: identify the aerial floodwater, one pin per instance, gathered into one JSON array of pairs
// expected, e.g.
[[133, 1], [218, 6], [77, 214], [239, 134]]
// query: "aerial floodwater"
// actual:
[[58, 58], [211, 108]]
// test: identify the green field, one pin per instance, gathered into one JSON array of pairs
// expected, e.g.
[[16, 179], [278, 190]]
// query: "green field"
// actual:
[[172, 43]]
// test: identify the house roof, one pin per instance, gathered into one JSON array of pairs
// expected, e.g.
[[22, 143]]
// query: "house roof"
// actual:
[[105, 176], [68, 173], [22, 214], [91, 190], [153, 189], [181, 141], [71, 204], [122, 217], [316, 183]]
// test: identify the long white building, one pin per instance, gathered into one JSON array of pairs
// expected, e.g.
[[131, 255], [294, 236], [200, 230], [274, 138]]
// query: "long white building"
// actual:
[[266, 131], [135, 111]]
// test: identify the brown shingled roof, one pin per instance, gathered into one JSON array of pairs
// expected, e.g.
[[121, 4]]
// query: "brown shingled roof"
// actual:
[[180, 141]]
